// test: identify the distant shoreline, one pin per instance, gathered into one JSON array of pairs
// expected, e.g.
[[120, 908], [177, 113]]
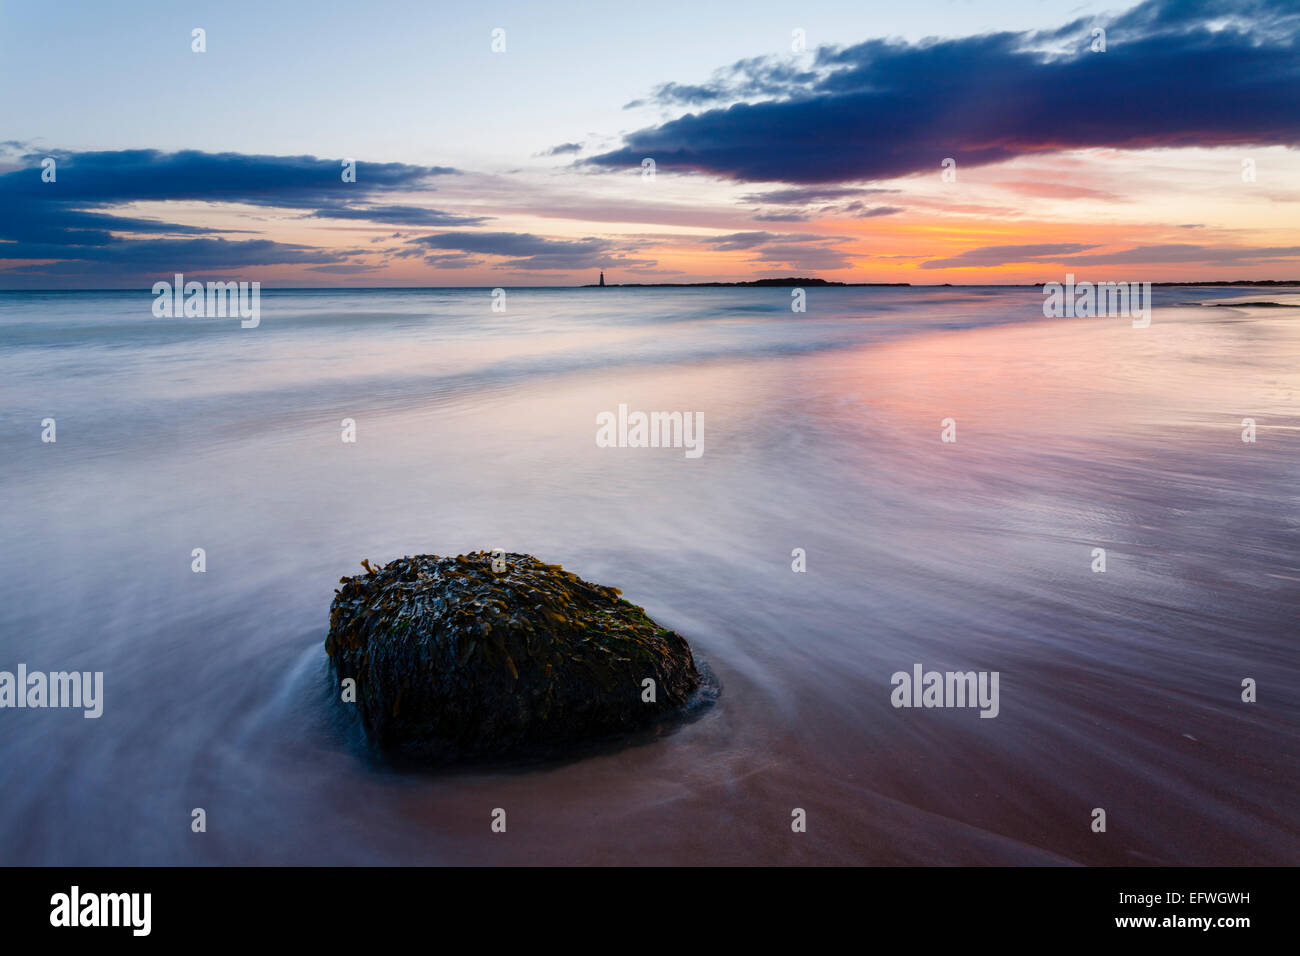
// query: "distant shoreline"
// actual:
[[754, 283], [822, 283], [760, 283]]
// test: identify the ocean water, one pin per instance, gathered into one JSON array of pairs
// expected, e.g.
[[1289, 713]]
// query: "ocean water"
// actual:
[[476, 429]]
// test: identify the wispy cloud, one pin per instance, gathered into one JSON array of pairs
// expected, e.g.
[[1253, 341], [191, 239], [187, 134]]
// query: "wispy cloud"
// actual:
[[520, 250], [1075, 254], [988, 256], [563, 149]]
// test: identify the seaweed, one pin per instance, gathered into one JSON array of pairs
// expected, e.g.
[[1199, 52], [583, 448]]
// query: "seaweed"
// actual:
[[453, 658]]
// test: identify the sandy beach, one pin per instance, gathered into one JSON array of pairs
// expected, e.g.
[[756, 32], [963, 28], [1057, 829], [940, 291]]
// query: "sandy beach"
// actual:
[[1119, 690]]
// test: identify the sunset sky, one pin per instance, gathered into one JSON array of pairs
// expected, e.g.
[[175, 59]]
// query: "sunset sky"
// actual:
[[1169, 155]]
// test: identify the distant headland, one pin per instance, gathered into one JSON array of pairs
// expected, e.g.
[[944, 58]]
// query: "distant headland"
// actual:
[[789, 281], [792, 281]]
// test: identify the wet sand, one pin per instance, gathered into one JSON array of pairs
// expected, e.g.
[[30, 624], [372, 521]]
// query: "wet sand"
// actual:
[[1118, 690]]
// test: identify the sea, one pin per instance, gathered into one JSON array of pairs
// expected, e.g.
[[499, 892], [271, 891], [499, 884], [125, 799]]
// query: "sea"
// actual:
[[1105, 516]]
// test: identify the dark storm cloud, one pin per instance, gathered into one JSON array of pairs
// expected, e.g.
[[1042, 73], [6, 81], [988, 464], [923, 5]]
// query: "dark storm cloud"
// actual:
[[67, 219], [1174, 73], [144, 174], [158, 256]]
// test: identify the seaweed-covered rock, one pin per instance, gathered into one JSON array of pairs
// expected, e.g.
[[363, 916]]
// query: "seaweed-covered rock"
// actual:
[[454, 659]]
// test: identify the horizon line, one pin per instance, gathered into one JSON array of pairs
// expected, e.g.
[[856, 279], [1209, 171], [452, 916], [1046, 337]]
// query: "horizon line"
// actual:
[[740, 284]]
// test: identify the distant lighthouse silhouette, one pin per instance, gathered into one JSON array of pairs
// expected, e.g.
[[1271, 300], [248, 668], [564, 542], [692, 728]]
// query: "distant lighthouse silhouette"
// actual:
[[602, 278]]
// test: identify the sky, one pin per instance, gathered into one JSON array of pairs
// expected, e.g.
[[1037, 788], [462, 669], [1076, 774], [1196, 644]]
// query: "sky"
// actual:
[[540, 143]]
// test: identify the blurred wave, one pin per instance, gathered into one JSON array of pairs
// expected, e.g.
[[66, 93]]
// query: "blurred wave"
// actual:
[[475, 429]]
